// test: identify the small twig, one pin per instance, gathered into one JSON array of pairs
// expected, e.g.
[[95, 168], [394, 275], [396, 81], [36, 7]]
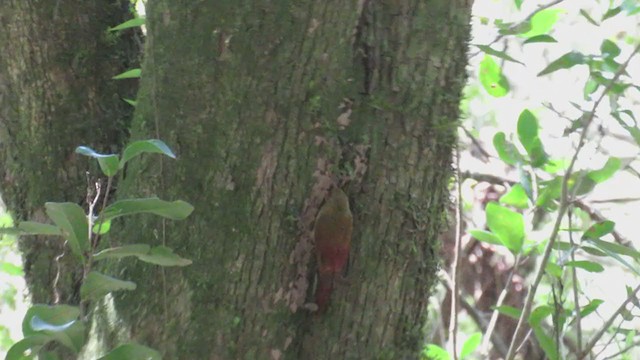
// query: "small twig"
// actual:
[[455, 292], [605, 326], [484, 348], [476, 142], [56, 291], [478, 318], [576, 297], [622, 351], [564, 204]]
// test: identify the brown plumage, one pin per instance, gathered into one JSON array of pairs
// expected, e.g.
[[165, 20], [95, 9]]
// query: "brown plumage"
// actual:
[[332, 233]]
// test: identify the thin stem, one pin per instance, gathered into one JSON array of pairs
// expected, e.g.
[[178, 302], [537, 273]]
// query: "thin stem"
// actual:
[[494, 316], [455, 292], [564, 204], [576, 297]]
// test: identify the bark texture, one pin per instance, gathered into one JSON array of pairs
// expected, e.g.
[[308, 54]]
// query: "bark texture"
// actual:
[[267, 104], [56, 93]]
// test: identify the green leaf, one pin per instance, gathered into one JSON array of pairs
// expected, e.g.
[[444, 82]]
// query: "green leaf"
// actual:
[[132, 351], [97, 285], [32, 343], [538, 314], [598, 230], [589, 266], [547, 343], [506, 150], [542, 22], [499, 54], [553, 270], [470, 345], [435, 352], [592, 251], [108, 162], [492, 79], [11, 269], [607, 171], [145, 146], [175, 210], [516, 197], [60, 323], [540, 39], [588, 17], [551, 190], [36, 228], [129, 24], [509, 311], [72, 220], [131, 102], [164, 256], [122, 251], [130, 74], [611, 13], [566, 61], [616, 248], [590, 307], [518, 3], [507, 224], [528, 136], [101, 227], [485, 236], [609, 49], [52, 314]]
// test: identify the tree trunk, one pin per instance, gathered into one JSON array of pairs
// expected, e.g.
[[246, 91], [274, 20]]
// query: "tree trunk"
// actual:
[[267, 104], [56, 93]]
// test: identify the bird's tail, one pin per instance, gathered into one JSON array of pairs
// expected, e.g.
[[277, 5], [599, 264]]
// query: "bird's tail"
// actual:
[[323, 291]]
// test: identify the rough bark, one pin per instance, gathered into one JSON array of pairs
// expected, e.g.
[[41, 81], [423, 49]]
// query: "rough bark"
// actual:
[[266, 103], [56, 93]]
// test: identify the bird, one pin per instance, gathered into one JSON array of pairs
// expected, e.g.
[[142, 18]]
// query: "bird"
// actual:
[[332, 234]]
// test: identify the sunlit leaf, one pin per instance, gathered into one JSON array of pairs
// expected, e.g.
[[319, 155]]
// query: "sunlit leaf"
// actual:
[[129, 24], [492, 79], [516, 197], [613, 164], [435, 352], [553, 270], [507, 224], [470, 345], [542, 22], [528, 136], [485, 236], [129, 74], [539, 313], [506, 150]]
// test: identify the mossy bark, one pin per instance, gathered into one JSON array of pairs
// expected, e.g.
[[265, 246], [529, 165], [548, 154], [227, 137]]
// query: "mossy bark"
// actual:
[[266, 104], [56, 93]]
